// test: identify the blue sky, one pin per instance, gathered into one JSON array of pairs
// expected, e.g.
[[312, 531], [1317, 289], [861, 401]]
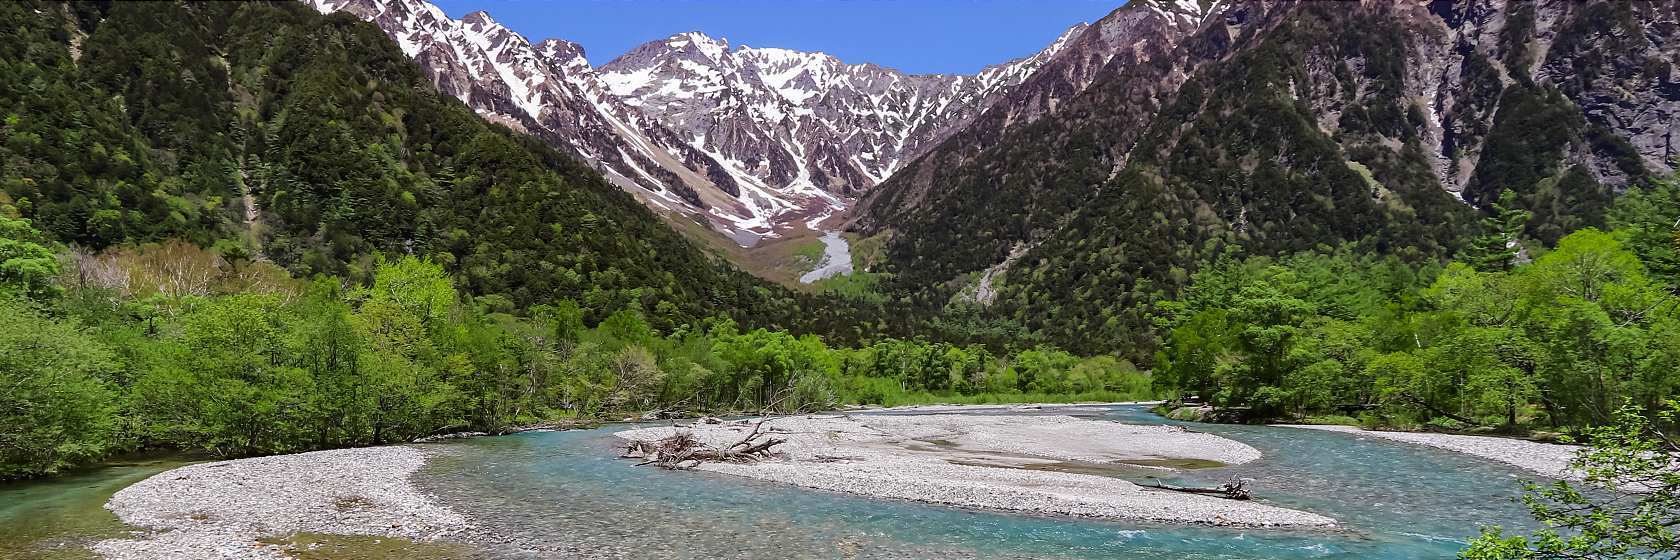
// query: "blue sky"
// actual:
[[917, 36]]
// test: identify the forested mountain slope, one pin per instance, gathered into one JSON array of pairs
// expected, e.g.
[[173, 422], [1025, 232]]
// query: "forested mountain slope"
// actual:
[[1280, 126], [275, 132]]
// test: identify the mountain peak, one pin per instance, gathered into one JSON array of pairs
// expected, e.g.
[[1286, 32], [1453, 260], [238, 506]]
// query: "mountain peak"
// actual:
[[481, 22], [1182, 11], [1196, 7], [565, 55], [712, 48], [560, 48], [1062, 40]]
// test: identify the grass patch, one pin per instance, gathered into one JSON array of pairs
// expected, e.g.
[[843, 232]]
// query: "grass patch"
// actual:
[[810, 250], [859, 285], [777, 259]]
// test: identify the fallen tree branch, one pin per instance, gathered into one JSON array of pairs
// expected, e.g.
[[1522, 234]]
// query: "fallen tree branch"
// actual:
[[682, 451], [1236, 489]]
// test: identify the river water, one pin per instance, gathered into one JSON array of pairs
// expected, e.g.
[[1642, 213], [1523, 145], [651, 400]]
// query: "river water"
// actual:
[[57, 518], [837, 258], [563, 493]]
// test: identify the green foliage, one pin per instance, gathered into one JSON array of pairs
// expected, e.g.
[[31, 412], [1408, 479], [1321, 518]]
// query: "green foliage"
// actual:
[[1627, 505], [247, 373], [191, 351], [1553, 342], [1646, 220], [27, 267], [86, 157], [1499, 247], [416, 288], [59, 408], [1290, 335], [857, 286], [566, 319], [809, 254], [627, 325]]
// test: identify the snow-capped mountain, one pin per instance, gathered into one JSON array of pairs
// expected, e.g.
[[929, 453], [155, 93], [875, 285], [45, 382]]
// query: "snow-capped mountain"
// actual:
[[550, 90], [804, 122], [749, 140]]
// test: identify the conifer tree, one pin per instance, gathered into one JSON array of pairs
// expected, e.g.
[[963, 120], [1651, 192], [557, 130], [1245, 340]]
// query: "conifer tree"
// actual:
[[1499, 249]]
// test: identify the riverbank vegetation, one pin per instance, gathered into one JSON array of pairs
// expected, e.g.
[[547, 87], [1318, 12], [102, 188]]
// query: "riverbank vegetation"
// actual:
[[1627, 504], [1510, 335], [173, 346]]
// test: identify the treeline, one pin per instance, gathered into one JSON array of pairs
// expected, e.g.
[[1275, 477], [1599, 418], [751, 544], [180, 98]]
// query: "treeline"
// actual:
[[176, 347], [1511, 334]]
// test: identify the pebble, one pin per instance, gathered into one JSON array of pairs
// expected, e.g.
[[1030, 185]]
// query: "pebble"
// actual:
[[1547, 459], [220, 510], [890, 457]]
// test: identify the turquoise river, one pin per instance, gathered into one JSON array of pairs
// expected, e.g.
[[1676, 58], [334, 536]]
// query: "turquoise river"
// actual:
[[564, 495]]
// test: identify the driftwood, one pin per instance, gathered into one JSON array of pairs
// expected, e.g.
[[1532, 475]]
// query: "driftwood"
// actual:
[[1236, 489], [682, 451]]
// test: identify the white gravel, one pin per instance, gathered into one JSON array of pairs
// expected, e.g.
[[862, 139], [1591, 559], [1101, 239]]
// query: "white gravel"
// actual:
[[1062, 437], [1546, 459], [219, 510], [1013, 407], [910, 457]]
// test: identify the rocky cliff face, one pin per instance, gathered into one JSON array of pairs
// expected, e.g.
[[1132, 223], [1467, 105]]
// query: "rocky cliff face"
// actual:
[[1563, 103]]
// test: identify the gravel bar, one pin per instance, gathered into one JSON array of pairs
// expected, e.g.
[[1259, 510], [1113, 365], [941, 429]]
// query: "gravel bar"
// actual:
[[221, 509], [911, 457], [1546, 459], [1009, 407]]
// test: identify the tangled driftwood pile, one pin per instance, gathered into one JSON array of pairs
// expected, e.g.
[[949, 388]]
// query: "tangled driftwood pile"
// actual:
[[681, 450]]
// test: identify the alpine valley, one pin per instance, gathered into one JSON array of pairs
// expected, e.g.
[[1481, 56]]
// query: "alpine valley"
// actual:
[[1196, 279]]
